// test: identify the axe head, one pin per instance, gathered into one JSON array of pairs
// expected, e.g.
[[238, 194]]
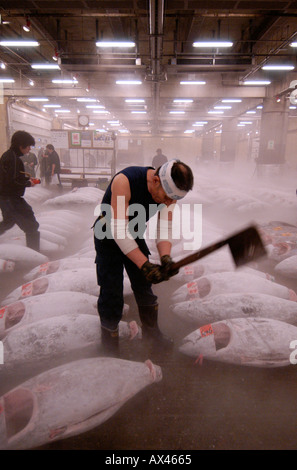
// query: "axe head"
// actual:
[[246, 246]]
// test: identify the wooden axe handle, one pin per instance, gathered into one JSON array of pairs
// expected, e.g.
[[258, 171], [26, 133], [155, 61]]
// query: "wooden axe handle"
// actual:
[[199, 254]]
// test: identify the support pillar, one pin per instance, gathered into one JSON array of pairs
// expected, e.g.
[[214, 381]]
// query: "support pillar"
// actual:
[[207, 150], [273, 135], [228, 140]]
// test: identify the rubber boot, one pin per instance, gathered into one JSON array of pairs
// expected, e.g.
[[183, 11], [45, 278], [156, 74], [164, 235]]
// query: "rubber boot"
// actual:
[[33, 240], [150, 329], [110, 341]]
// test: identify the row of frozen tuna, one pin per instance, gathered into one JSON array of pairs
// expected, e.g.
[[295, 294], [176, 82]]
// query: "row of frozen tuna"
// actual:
[[54, 383]]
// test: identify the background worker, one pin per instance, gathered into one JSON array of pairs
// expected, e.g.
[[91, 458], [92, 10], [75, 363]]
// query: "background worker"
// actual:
[[54, 163], [13, 182]]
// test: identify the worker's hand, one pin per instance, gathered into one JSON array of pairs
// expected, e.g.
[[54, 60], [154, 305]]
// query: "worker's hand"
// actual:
[[153, 273], [166, 266]]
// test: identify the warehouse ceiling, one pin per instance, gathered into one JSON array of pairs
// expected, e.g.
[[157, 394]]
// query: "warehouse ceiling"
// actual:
[[261, 33]]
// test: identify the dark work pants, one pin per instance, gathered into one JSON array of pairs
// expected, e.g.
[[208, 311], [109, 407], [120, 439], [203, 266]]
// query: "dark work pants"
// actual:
[[15, 210], [110, 264]]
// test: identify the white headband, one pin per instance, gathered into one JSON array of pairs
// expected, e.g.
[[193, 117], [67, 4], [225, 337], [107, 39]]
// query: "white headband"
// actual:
[[167, 182]]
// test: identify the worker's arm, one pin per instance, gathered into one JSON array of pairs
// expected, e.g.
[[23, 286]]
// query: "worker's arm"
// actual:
[[120, 197], [164, 230]]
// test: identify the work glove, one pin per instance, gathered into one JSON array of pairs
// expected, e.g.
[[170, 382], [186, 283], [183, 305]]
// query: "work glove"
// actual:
[[166, 264], [153, 273]]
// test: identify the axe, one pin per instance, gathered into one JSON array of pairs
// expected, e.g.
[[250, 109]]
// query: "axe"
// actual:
[[245, 246]]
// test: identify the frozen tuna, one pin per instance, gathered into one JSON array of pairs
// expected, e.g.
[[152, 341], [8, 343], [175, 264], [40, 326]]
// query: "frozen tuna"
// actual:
[[287, 267], [77, 280], [22, 256], [230, 282], [64, 264], [35, 347], [41, 307], [225, 306], [258, 342], [69, 400]]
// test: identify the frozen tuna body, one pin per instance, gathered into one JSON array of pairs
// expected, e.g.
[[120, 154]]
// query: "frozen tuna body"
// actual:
[[70, 399], [82, 280], [64, 264], [41, 307], [78, 280], [288, 267], [39, 346], [259, 342], [230, 282], [225, 306], [22, 256]]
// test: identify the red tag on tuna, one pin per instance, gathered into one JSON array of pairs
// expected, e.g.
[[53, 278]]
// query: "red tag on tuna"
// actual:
[[2, 312], [206, 330], [27, 290], [192, 288], [43, 267], [188, 270]]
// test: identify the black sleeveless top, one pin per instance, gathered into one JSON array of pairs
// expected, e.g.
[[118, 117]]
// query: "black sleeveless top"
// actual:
[[141, 205]]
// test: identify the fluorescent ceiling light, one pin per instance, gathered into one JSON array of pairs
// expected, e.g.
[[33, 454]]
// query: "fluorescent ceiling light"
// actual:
[[95, 106], [201, 122], [6, 80], [86, 100], [192, 82], [65, 81], [222, 107], [45, 66], [100, 130], [100, 111], [260, 106], [115, 44], [18, 43], [113, 122], [182, 100], [257, 82], [292, 107], [52, 106], [138, 112], [278, 67], [232, 100], [215, 112], [212, 44], [189, 131], [240, 125], [197, 125], [251, 112], [62, 110], [293, 44], [124, 131], [132, 100], [246, 122], [128, 82], [176, 112], [38, 99]]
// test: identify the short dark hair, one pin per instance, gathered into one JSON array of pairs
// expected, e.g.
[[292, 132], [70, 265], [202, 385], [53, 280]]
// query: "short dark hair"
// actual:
[[22, 139], [50, 147], [182, 176]]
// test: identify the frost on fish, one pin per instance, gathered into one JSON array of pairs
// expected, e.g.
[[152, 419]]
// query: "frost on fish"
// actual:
[[258, 342], [230, 282], [41, 307], [70, 399], [35, 347], [235, 305]]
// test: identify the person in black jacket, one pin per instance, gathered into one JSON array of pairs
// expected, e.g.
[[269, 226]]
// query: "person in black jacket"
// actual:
[[54, 163], [13, 183]]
